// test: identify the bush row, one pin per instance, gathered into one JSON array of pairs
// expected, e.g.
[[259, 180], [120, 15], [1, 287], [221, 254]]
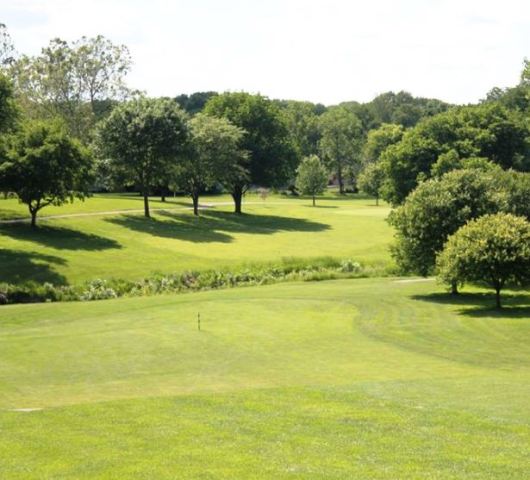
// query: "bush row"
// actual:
[[99, 289]]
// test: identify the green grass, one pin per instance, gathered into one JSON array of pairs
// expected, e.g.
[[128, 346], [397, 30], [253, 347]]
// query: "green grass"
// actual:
[[129, 246], [371, 379]]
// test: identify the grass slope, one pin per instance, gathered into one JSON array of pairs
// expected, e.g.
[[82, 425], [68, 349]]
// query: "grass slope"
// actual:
[[72, 250], [372, 379]]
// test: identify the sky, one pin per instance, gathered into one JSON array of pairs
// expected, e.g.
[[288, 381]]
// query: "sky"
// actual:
[[325, 51]]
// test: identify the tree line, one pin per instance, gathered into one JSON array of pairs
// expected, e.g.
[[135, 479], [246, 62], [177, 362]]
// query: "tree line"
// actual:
[[69, 124]]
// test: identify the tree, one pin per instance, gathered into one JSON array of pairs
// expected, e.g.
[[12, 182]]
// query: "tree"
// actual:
[[311, 177], [341, 141], [379, 139], [72, 81], [100, 68], [7, 49], [143, 139], [45, 167], [371, 180], [302, 123], [195, 102], [214, 154], [8, 107], [271, 154], [436, 209], [404, 109], [489, 130], [494, 249]]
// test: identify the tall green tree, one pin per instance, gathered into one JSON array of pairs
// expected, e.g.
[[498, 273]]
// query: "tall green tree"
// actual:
[[493, 249], [44, 166], [213, 155], [143, 139], [302, 123], [489, 130], [311, 177], [379, 139], [272, 159], [71, 80], [371, 180], [341, 141], [436, 209]]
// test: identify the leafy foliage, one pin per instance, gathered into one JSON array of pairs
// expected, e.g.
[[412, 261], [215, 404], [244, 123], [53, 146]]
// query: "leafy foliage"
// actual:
[[272, 157], [435, 210], [213, 155], [143, 138], [493, 249], [71, 80], [44, 166], [311, 177], [490, 130], [371, 180], [341, 141]]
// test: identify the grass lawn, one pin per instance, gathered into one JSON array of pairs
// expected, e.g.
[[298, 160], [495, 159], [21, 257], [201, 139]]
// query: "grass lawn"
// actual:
[[368, 379], [127, 245]]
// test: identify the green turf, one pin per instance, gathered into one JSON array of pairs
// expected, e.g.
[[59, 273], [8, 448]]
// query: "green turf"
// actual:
[[129, 246], [368, 379]]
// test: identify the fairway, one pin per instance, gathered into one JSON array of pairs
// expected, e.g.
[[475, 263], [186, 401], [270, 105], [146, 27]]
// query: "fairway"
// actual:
[[125, 245], [372, 379]]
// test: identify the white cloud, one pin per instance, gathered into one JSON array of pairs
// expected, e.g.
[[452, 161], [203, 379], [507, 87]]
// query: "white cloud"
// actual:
[[326, 51]]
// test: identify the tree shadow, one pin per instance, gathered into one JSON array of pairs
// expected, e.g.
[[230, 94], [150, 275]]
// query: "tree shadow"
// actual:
[[181, 227], [482, 304], [213, 226], [153, 201], [58, 237], [317, 206], [249, 223], [18, 267]]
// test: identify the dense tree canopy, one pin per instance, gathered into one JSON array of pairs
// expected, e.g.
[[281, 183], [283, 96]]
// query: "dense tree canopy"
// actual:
[[272, 158], [195, 102], [341, 142], [302, 123], [143, 139], [44, 166], [213, 154], [379, 139], [488, 130], [435, 210], [493, 249]]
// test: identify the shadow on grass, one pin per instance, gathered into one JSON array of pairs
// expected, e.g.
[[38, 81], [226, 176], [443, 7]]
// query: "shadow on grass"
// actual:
[[481, 305], [154, 202], [19, 267], [58, 237], [317, 206], [181, 227], [213, 226]]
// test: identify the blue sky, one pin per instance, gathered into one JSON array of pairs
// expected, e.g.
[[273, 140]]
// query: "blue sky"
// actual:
[[323, 51]]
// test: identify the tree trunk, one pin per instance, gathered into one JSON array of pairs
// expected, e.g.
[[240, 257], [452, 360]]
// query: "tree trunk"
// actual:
[[454, 288], [341, 182], [376, 201], [33, 218], [146, 205], [498, 296], [163, 197], [237, 195], [195, 199], [314, 201]]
